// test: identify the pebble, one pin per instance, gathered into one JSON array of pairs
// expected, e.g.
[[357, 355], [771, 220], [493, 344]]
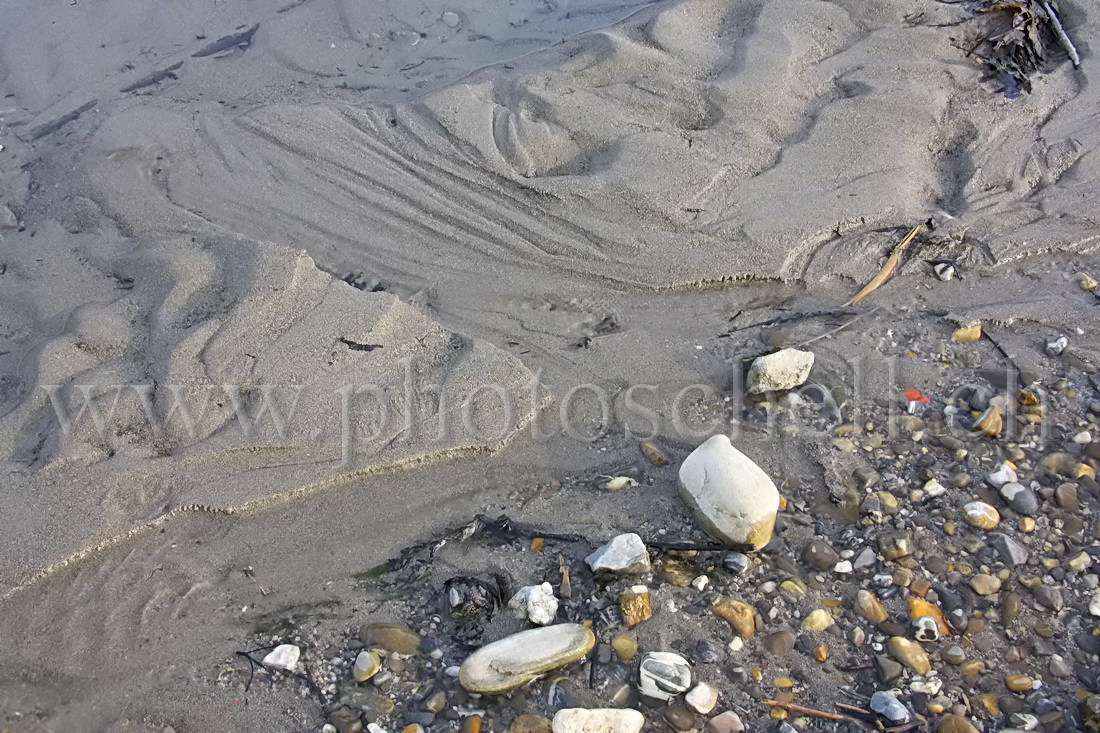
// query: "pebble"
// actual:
[[981, 515], [953, 655], [1011, 552], [625, 647], [1004, 474], [345, 720], [702, 698], [1094, 604], [895, 545], [634, 605], [732, 499], [1022, 499], [738, 614], [817, 620], [963, 334], [284, 656], [911, 654], [598, 720], [451, 19], [366, 665], [820, 555], [780, 643], [390, 637], [680, 717], [536, 603], [985, 584], [925, 628], [870, 606], [727, 722], [663, 675], [889, 708], [785, 369], [527, 723], [1049, 596], [625, 554], [956, 724], [517, 659]]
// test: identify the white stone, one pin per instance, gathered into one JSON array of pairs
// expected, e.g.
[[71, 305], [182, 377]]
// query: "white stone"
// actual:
[[1003, 475], [624, 554], [785, 369], [451, 19], [844, 566], [328, 728], [731, 497], [700, 582], [515, 660], [1094, 604], [597, 720], [1083, 437], [663, 675], [375, 728], [284, 656], [934, 488], [702, 698], [736, 644], [536, 603]]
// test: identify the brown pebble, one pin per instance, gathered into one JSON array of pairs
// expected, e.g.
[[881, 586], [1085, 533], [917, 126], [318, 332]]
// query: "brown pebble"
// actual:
[[956, 724], [780, 643], [1018, 682], [870, 606], [390, 637], [739, 615], [530, 724], [821, 653], [680, 717], [471, 724]]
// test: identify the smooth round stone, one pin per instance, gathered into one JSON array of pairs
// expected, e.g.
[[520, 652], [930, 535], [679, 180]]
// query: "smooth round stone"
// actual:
[[366, 666], [731, 497], [1022, 499], [953, 655], [888, 707], [955, 724], [727, 722], [390, 637], [663, 675], [517, 659], [925, 628], [1018, 682], [780, 643], [680, 717], [985, 584], [739, 615], [817, 620], [702, 698], [530, 724], [870, 606], [625, 647], [820, 554], [981, 515], [599, 720], [911, 654]]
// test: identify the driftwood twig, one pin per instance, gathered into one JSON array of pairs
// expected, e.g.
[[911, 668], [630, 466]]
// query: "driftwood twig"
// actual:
[[792, 708], [888, 269], [1063, 38]]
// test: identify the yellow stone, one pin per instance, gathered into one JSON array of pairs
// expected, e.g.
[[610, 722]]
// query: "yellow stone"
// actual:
[[412, 728], [1018, 682], [1084, 469], [971, 666], [471, 724], [634, 605], [1027, 524], [911, 654], [1086, 281], [988, 701], [757, 674], [981, 515], [794, 586], [990, 422], [536, 544], [739, 615], [935, 708], [366, 666], [783, 683], [821, 653], [870, 606], [919, 607], [817, 620], [654, 454], [778, 714], [625, 647], [967, 333]]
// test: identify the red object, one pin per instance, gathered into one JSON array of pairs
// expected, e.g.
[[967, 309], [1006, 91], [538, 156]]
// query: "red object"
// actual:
[[914, 396]]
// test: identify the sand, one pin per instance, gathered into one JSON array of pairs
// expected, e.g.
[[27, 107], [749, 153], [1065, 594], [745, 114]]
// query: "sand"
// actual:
[[533, 198]]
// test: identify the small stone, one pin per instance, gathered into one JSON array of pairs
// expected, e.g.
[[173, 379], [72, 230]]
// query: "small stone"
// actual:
[[1089, 709], [1086, 281], [1079, 562], [436, 702], [653, 454], [985, 584], [821, 652], [1094, 604], [739, 615], [536, 603], [990, 422], [889, 708], [981, 515], [727, 722], [888, 668], [736, 562], [625, 647], [634, 605], [284, 656], [910, 654], [679, 717], [925, 628], [530, 724], [663, 675], [1018, 682], [955, 724], [451, 19], [953, 655], [963, 334], [919, 607], [517, 659], [1012, 553], [895, 545], [366, 665], [702, 698], [785, 369], [870, 606], [817, 620], [971, 667], [471, 724], [820, 555], [934, 488], [1022, 499], [780, 643], [843, 567], [1066, 497], [625, 554], [1049, 596], [390, 637], [598, 720], [345, 720], [733, 500], [1004, 474]]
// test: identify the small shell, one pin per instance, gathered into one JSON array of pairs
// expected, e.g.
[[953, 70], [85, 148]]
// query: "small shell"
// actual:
[[618, 483]]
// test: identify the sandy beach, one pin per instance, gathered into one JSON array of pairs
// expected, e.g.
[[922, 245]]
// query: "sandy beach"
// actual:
[[292, 289]]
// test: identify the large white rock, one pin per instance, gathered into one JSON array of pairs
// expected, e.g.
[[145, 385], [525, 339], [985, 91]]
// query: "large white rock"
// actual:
[[598, 720], [284, 656], [536, 603], [517, 659], [785, 369], [624, 554], [731, 497]]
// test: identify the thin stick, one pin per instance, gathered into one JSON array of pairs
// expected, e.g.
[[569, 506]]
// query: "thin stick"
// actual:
[[841, 327], [887, 270], [792, 708], [852, 708], [1059, 31]]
